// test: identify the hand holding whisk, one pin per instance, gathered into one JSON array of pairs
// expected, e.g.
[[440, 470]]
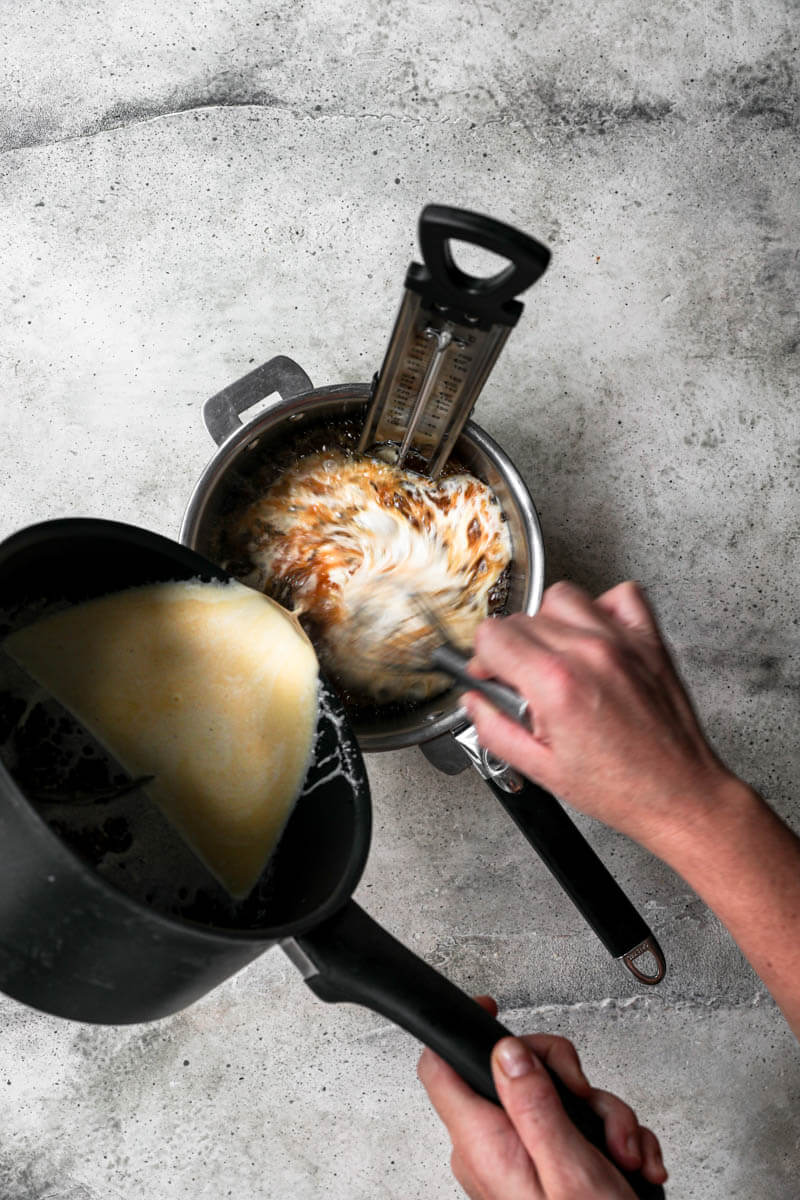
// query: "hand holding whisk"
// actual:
[[446, 657]]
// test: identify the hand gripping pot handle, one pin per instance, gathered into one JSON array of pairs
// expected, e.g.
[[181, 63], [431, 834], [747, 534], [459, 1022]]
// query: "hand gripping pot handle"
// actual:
[[281, 374], [351, 958]]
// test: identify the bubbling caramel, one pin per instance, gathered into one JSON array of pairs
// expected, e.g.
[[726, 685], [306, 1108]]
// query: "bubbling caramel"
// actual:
[[349, 541]]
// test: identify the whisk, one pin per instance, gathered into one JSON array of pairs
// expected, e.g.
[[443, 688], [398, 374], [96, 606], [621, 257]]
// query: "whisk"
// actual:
[[446, 657], [413, 654], [436, 652]]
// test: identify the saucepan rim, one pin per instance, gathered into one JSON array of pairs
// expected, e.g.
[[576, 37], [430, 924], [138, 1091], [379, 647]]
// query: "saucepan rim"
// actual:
[[279, 414]]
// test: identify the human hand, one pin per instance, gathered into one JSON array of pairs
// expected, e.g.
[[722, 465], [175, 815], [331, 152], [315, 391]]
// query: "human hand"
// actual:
[[529, 1149], [614, 733]]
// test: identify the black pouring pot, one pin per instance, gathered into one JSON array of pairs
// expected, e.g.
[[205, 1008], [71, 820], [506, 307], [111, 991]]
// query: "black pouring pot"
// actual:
[[73, 945]]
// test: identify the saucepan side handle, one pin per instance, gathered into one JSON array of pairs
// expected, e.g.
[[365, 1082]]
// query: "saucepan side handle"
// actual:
[[281, 374], [350, 957]]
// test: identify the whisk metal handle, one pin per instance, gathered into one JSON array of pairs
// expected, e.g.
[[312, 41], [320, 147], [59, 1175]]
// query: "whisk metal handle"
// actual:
[[509, 702]]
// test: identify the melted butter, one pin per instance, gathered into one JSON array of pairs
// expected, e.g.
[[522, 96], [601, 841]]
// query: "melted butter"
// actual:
[[351, 541]]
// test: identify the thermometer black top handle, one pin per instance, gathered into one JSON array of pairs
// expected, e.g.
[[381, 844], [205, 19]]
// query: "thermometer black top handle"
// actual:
[[483, 301]]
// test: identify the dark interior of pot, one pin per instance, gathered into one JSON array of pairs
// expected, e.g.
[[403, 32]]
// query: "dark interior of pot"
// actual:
[[81, 793], [279, 438]]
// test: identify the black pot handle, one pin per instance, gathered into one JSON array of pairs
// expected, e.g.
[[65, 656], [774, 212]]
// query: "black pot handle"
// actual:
[[281, 374], [351, 958], [442, 282], [589, 884]]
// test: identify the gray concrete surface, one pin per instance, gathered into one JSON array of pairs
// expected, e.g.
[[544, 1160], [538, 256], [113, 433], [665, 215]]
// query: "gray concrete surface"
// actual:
[[186, 194]]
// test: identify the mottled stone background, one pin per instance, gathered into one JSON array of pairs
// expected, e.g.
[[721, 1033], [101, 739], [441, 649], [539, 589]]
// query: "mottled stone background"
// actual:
[[185, 194]]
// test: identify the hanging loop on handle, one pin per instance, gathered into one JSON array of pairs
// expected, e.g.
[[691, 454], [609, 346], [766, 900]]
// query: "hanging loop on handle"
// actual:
[[444, 283], [649, 948]]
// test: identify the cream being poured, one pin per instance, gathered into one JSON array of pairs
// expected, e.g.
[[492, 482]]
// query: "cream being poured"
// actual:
[[349, 541]]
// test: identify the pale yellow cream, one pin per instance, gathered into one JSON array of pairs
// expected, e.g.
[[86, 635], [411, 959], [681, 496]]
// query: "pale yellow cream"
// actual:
[[211, 688]]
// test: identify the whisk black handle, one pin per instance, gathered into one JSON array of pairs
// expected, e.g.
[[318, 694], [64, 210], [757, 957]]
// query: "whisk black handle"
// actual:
[[443, 283], [453, 663]]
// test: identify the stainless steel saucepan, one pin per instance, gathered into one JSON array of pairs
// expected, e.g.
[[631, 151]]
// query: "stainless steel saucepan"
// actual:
[[439, 726]]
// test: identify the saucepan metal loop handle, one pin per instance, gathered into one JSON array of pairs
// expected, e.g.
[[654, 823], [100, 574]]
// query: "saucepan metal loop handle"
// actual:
[[352, 958], [281, 374], [487, 297]]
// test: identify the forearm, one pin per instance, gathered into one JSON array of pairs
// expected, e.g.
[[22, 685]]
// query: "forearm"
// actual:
[[744, 863]]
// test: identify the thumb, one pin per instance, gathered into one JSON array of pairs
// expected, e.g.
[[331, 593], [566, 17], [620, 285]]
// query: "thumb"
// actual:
[[558, 1151]]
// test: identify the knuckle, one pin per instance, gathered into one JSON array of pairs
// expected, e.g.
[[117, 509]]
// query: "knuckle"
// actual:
[[611, 1106], [581, 1180], [487, 1157], [483, 635], [559, 674], [557, 1040], [636, 599], [485, 721], [551, 599], [627, 1116], [457, 1167], [538, 1099], [603, 653], [561, 588], [629, 589], [518, 620], [517, 625], [563, 1051], [571, 1056], [650, 1141]]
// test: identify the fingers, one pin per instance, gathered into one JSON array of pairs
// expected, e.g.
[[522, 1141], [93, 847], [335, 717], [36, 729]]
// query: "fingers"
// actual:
[[550, 1138], [509, 649], [623, 1136], [447, 1090], [529, 1148], [468, 1117], [630, 1144], [488, 1158], [559, 1054], [626, 604], [509, 741], [652, 1163], [531, 1101], [564, 601], [463, 1176]]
